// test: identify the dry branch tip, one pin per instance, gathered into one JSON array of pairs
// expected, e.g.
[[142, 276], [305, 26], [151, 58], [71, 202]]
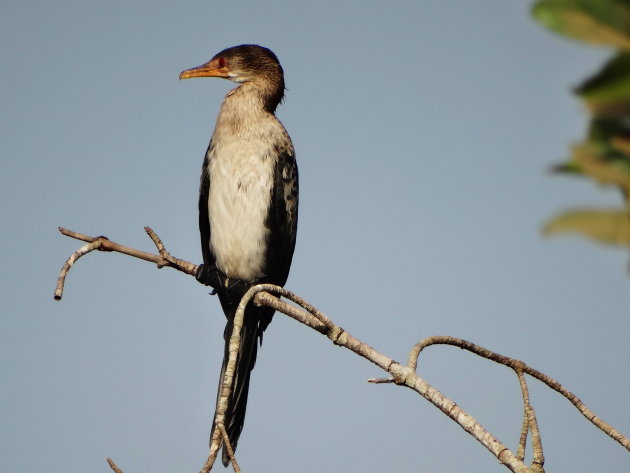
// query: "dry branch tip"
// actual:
[[113, 466]]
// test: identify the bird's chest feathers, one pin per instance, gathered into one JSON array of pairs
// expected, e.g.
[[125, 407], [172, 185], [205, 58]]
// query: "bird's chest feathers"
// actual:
[[241, 180]]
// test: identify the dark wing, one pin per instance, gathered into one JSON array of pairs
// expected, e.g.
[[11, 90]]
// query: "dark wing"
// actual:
[[204, 219], [282, 220]]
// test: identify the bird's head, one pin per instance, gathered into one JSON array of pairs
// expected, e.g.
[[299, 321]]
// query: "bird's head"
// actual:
[[244, 63]]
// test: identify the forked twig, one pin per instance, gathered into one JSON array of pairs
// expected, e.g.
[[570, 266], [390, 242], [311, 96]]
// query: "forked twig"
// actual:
[[516, 365], [102, 243], [530, 424]]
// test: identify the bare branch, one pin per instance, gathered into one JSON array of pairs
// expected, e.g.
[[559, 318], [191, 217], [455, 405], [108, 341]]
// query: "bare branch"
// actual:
[[522, 442], [102, 243], [401, 375], [529, 420], [212, 455], [228, 376], [230, 450], [85, 249], [516, 365]]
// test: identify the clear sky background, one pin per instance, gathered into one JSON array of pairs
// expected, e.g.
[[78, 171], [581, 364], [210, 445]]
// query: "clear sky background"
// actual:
[[424, 133]]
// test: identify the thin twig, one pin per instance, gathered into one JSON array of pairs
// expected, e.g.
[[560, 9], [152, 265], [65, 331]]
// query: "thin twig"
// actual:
[[522, 442], [102, 243], [229, 449], [113, 466], [85, 249], [381, 380], [266, 299], [211, 459]]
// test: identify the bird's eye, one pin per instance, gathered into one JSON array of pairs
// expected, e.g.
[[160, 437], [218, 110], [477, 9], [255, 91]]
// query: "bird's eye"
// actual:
[[221, 62]]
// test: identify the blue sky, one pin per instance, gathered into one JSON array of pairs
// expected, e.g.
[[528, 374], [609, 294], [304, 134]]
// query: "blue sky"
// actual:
[[424, 133]]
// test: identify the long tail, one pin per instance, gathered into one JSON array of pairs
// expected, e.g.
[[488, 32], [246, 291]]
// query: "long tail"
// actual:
[[246, 359]]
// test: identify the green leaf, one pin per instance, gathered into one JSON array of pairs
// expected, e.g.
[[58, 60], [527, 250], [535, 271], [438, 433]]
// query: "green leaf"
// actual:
[[610, 226], [610, 86], [586, 159], [605, 155], [567, 168], [604, 22]]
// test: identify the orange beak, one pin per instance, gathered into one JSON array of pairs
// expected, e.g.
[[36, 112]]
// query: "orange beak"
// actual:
[[209, 69]]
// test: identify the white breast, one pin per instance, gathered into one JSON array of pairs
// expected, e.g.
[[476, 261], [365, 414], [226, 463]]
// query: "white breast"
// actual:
[[241, 178]]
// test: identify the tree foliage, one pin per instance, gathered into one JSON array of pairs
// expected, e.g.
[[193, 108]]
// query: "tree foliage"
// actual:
[[604, 154]]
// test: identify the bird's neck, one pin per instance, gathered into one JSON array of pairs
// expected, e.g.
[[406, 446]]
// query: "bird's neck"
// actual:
[[244, 109], [264, 92]]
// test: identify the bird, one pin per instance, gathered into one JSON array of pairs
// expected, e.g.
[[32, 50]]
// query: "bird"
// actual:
[[248, 204]]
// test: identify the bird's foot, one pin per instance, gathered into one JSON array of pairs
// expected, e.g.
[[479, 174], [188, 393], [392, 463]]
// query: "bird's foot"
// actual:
[[208, 275]]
